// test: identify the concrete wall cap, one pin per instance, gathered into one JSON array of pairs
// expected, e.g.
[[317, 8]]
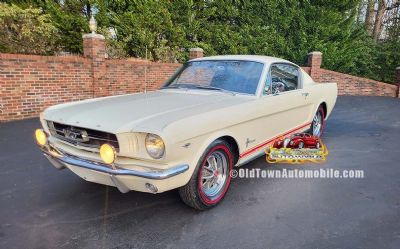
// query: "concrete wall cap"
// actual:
[[315, 53], [93, 36], [398, 68], [196, 50]]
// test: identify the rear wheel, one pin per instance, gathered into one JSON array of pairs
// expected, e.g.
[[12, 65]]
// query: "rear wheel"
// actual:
[[211, 178], [317, 125]]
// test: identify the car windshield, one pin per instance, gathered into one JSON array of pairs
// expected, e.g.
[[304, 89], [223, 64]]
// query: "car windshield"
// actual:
[[229, 75]]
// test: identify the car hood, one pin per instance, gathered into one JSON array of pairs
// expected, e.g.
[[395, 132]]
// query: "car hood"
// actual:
[[152, 111]]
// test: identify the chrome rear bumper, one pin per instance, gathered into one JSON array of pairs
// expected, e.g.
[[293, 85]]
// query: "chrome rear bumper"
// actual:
[[60, 158]]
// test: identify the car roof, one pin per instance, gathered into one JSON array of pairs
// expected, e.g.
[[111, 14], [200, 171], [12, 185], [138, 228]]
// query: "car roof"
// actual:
[[257, 58]]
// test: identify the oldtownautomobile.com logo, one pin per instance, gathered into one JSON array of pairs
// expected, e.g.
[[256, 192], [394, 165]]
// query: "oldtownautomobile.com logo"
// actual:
[[297, 148]]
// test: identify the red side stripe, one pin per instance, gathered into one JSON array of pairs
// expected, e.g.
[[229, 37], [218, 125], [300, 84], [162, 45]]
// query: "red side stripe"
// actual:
[[246, 153]]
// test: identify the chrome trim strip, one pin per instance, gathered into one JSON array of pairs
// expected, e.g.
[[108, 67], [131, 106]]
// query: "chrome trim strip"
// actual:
[[64, 158]]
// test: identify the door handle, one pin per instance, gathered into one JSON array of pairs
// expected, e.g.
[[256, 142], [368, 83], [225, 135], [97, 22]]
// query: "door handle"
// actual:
[[305, 94]]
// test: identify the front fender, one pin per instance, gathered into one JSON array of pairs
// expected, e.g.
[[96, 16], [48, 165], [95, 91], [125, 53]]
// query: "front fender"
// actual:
[[199, 146]]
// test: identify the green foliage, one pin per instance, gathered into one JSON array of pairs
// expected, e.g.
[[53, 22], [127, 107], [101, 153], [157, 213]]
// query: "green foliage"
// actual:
[[388, 58], [145, 26], [26, 31], [165, 30], [388, 55], [71, 19]]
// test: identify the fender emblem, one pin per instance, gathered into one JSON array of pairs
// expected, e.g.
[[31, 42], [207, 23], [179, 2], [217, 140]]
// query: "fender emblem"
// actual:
[[186, 145], [249, 141]]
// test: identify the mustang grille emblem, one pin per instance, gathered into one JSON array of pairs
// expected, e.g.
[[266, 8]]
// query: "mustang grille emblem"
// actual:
[[76, 135]]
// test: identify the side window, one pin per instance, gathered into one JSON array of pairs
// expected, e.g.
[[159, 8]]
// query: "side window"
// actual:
[[284, 77]]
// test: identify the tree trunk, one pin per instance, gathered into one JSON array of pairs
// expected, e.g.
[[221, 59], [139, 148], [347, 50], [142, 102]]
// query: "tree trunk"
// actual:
[[369, 17], [379, 20]]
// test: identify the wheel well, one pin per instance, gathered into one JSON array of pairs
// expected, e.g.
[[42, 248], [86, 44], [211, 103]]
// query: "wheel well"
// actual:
[[323, 104], [232, 142]]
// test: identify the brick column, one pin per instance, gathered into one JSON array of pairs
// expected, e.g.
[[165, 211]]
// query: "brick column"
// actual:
[[314, 62], [195, 53], [397, 80], [94, 48]]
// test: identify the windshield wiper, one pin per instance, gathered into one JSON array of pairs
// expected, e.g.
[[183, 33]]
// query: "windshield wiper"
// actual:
[[176, 86], [165, 87], [179, 86], [214, 88], [209, 88], [192, 86]]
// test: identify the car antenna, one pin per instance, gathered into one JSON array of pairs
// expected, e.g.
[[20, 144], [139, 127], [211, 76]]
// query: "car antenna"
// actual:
[[145, 73]]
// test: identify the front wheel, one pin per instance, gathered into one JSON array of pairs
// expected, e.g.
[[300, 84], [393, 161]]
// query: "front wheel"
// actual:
[[211, 178]]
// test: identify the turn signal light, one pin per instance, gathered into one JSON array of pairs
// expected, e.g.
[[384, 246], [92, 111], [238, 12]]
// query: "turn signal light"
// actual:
[[107, 153], [41, 137]]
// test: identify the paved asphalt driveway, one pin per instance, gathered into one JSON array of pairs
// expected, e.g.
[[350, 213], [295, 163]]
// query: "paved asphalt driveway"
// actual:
[[42, 207]]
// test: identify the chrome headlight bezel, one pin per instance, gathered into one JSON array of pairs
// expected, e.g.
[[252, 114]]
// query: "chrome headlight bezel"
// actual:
[[155, 146]]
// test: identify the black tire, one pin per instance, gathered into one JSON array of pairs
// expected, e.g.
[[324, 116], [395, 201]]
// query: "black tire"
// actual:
[[321, 112], [192, 193]]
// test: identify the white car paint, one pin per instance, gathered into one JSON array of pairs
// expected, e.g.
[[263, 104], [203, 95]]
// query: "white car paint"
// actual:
[[195, 117]]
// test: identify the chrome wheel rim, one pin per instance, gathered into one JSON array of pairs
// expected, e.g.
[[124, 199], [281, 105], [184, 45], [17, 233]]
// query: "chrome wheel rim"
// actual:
[[317, 124], [214, 174]]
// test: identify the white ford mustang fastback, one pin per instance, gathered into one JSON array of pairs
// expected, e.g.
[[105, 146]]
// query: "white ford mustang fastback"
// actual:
[[213, 114]]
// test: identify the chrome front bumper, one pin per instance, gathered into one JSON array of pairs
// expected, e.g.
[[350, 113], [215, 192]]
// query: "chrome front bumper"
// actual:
[[60, 158]]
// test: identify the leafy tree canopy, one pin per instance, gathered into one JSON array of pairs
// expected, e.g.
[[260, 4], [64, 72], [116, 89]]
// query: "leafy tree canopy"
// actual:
[[20, 28]]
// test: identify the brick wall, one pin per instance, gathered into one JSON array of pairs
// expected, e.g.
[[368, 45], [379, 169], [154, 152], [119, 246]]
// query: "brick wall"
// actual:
[[125, 76], [30, 83], [348, 84], [113, 77]]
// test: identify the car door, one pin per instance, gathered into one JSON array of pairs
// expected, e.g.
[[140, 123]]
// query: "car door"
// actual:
[[286, 99], [282, 108]]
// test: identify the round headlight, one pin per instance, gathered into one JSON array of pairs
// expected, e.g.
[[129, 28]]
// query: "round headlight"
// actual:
[[41, 137], [155, 146], [107, 153]]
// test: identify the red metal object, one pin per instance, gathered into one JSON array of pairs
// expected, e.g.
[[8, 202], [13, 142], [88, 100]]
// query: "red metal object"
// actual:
[[298, 141]]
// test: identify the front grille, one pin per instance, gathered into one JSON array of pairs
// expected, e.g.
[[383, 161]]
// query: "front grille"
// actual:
[[82, 136]]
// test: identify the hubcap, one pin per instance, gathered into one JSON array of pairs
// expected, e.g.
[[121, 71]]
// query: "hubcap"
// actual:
[[214, 174], [317, 124]]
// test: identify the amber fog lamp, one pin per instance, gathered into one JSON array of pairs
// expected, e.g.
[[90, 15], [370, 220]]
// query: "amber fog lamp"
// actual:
[[107, 153], [41, 137]]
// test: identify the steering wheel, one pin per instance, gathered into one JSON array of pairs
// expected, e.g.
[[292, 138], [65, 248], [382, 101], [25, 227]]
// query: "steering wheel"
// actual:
[[278, 87]]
